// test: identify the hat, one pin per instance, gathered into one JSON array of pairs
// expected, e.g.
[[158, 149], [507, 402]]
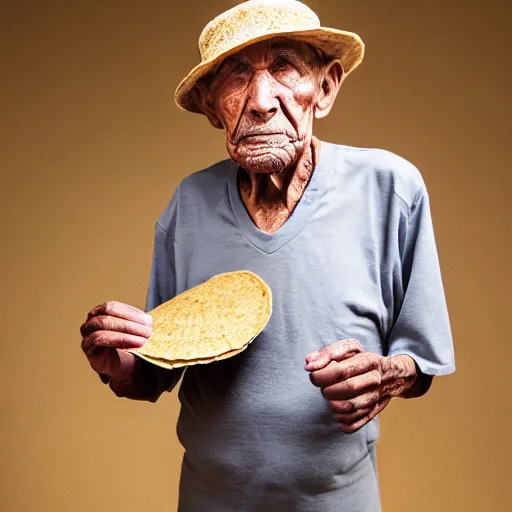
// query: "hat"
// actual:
[[257, 20]]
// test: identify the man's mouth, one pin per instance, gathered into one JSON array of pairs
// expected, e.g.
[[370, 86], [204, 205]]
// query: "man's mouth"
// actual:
[[260, 134], [264, 138]]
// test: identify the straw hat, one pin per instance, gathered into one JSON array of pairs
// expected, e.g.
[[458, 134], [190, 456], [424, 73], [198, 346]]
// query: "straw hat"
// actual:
[[257, 20]]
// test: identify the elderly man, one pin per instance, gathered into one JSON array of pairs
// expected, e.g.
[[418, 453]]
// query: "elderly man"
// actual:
[[344, 238]]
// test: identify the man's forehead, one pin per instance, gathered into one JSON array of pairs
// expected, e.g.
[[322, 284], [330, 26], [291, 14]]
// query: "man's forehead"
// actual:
[[274, 45]]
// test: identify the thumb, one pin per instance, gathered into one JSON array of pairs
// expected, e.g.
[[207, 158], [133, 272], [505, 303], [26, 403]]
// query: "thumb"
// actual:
[[342, 349], [317, 360]]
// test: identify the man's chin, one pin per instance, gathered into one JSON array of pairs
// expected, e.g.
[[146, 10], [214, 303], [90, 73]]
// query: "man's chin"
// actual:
[[264, 160], [267, 164]]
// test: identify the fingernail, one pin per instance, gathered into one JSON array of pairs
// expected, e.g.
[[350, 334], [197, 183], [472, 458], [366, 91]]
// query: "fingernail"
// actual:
[[149, 319]]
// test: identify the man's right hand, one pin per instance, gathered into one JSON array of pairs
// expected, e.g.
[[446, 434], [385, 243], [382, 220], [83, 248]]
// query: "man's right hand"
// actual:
[[109, 328]]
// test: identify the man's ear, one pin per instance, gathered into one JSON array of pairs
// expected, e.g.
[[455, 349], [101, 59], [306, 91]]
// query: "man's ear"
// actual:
[[202, 97], [333, 76]]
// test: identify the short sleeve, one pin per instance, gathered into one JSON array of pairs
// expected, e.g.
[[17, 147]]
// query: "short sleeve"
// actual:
[[162, 280], [422, 327], [162, 285]]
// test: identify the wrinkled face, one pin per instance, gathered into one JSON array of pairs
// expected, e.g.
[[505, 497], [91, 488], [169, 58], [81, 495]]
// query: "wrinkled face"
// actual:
[[264, 97]]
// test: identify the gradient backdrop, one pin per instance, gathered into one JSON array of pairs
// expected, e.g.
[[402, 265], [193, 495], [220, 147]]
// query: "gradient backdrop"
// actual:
[[92, 149]]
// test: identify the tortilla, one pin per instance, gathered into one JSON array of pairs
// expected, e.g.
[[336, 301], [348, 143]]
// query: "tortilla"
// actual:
[[215, 320], [171, 365]]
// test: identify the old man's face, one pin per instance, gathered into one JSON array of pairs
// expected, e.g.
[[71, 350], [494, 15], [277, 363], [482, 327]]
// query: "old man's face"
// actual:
[[266, 97]]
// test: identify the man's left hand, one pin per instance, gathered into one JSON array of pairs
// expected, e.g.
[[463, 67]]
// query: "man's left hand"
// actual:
[[359, 384]]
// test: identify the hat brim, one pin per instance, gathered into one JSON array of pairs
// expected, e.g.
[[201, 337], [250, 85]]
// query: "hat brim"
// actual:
[[345, 46]]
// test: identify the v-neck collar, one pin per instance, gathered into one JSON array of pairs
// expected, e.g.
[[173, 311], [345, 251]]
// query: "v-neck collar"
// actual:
[[270, 243]]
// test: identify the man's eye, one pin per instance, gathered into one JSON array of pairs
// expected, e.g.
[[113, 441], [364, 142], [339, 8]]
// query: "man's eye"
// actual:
[[281, 64], [239, 68]]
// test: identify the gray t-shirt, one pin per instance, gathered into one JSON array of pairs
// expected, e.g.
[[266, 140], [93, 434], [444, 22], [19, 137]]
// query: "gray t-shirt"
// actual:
[[357, 259]]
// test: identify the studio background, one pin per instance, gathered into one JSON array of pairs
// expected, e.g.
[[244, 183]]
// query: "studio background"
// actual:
[[92, 147]]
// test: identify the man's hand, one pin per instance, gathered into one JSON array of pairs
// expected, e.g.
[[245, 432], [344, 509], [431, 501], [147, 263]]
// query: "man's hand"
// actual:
[[109, 328], [359, 384]]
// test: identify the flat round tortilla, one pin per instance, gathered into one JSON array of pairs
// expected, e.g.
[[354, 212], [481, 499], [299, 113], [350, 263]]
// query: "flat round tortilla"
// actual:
[[171, 365], [212, 321]]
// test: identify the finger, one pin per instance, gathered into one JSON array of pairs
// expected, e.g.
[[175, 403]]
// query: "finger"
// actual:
[[335, 352], [337, 371], [121, 310], [112, 323], [381, 405], [320, 361], [349, 418], [352, 387], [324, 376], [363, 401], [350, 428], [338, 350], [344, 348], [357, 365], [111, 339]]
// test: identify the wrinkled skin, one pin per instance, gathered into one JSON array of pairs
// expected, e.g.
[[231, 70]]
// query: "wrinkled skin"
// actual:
[[360, 384], [108, 329], [265, 98]]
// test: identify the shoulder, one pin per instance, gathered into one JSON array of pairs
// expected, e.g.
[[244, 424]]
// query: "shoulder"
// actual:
[[200, 190], [389, 171], [204, 180]]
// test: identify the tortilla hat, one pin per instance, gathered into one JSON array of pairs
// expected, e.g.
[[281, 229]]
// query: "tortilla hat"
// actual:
[[258, 20]]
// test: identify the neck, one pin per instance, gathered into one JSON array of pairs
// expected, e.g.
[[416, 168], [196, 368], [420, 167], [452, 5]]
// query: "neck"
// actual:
[[271, 198]]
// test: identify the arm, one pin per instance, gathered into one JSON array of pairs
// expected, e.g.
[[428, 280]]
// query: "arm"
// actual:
[[421, 326], [112, 327], [359, 384], [148, 382]]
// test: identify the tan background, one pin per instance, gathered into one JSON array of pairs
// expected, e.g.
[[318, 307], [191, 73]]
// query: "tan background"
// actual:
[[92, 148]]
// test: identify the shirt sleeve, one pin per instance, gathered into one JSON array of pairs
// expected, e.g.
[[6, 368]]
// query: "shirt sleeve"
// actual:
[[422, 327], [162, 287]]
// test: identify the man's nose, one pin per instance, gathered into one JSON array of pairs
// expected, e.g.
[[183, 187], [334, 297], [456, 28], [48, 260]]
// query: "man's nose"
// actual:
[[263, 103]]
